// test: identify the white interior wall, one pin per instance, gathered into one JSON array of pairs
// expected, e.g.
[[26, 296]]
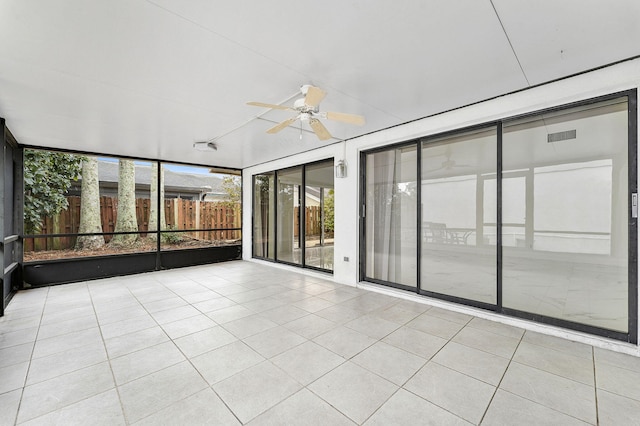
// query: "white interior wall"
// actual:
[[619, 77]]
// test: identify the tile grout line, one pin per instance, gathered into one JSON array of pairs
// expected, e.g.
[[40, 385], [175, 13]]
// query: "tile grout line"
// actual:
[[345, 360], [511, 362], [69, 372], [418, 370], [113, 376], [117, 387], [426, 362], [544, 371], [595, 384], [303, 386], [486, 410], [187, 359], [33, 348]]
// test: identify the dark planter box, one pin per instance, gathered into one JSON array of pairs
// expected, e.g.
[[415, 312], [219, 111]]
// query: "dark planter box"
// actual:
[[61, 271]]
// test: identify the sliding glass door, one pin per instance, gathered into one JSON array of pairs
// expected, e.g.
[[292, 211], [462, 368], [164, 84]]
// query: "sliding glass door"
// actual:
[[391, 216], [293, 211], [289, 235], [567, 255], [457, 258], [318, 219], [264, 215], [534, 217]]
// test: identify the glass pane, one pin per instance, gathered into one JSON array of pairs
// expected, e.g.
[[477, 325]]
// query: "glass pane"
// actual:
[[196, 198], [458, 259], [288, 221], [514, 210], [319, 204], [263, 215], [391, 210], [52, 192], [566, 248]]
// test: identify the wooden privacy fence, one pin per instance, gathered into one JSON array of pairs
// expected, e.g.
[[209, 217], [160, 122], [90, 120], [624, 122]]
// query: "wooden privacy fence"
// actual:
[[188, 215], [313, 221]]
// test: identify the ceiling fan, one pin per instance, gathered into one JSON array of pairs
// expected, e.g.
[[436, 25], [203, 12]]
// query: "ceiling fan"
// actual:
[[448, 163], [308, 110]]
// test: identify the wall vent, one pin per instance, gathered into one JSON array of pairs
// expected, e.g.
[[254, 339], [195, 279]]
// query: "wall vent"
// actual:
[[561, 136]]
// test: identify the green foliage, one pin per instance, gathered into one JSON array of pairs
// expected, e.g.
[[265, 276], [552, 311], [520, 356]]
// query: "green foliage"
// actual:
[[231, 186], [171, 237], [329, 203], [47, 178]]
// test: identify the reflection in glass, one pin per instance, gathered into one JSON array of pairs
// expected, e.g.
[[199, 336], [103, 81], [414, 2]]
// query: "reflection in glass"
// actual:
[[565, 254], [263, 215], [289, 220], [458, 210], [319, 205], [514, 210], [391, 208]]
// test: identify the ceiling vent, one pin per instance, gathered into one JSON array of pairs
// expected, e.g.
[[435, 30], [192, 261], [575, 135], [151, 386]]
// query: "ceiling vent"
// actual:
[[205, 146], [561, 136]]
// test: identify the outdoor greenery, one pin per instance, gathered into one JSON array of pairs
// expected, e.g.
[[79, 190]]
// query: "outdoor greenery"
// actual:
[[171, 237], [231, 186], [329, 202], [47, 178]]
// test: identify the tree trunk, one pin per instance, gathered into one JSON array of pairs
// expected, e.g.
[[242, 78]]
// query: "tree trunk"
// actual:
[[153, 195], [126, 220], [90, 221]]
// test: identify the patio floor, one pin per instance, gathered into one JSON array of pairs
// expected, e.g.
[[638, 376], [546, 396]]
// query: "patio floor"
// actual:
[[242, 342]]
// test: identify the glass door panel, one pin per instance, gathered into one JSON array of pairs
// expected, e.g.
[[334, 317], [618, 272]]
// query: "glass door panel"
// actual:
[[318, 217], [457, 258], [264, 216], [569, 259], [390, 216], [289, 223]]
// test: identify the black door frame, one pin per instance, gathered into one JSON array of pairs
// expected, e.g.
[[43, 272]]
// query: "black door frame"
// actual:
[[10, 216], [632, 335]]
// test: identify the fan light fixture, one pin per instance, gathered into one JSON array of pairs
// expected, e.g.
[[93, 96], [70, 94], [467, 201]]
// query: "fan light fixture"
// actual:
[[205, 146]]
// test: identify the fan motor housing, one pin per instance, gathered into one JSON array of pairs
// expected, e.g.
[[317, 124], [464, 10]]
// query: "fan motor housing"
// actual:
[[302, 107]]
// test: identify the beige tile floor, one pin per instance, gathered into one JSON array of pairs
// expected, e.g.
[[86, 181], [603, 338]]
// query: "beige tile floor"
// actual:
[[246, 343]]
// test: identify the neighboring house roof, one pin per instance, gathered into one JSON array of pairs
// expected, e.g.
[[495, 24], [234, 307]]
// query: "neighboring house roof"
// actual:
[[173, 181], [108, 172]]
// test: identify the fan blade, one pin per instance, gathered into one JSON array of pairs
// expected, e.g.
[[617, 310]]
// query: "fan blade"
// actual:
[[262, 104], [321, 131], [314, 96], [345, 118], [280, 126]]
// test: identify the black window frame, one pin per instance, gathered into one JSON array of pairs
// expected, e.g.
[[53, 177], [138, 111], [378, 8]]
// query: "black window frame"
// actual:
[[39, 273]]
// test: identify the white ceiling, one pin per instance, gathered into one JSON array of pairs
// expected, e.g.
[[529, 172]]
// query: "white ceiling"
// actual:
[[148, 78]]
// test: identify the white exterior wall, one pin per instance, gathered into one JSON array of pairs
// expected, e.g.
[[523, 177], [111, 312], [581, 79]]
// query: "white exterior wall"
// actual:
[[623, 76]]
